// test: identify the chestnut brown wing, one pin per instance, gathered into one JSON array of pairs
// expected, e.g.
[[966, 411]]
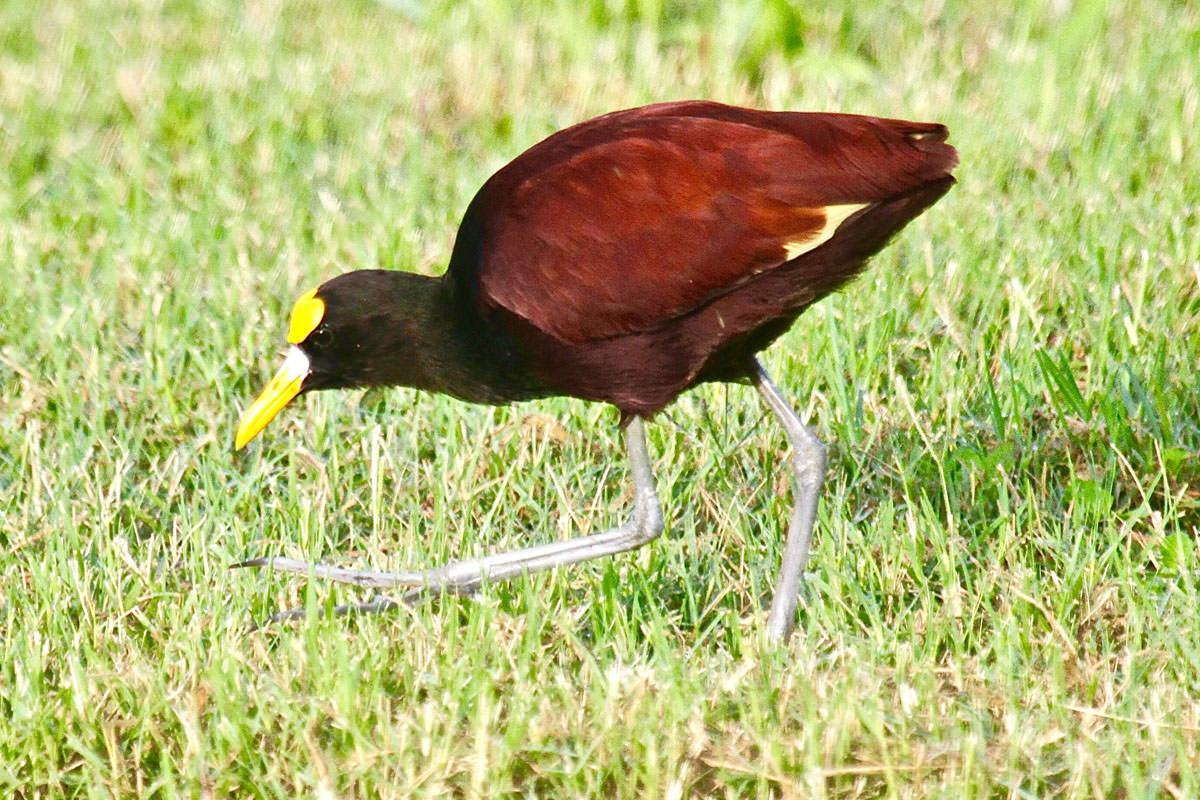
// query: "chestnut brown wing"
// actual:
[[623, 222]]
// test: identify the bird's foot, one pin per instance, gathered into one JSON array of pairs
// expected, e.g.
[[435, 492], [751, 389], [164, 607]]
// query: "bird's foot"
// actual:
[[467, 576], [355, 577], [415, 581], [376, 605]]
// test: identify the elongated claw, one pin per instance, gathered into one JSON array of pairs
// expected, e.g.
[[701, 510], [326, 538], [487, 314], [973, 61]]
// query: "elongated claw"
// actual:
[[355, 577], [376, 605]]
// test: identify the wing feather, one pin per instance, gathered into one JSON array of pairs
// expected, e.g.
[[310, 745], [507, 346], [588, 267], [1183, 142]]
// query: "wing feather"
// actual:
[[624, 222]]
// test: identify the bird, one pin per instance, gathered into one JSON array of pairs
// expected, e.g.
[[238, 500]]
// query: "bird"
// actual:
[[624, 260]]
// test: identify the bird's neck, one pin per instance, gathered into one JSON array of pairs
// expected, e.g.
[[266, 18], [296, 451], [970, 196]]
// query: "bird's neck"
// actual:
[[442, 343]]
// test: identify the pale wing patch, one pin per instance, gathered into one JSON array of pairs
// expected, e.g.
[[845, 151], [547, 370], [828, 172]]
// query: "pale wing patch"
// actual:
[[834, 217]]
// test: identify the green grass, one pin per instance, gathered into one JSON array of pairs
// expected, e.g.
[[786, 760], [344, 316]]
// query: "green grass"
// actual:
[[1004, 588]]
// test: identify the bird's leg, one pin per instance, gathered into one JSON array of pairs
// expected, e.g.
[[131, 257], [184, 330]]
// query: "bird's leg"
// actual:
[[808, 469], [463, 577], [644, 525]]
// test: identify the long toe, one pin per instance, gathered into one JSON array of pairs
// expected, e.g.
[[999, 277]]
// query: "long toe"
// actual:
[[376, 605], [354, 577]]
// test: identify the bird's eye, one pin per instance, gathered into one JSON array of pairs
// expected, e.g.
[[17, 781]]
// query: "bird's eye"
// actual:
[[320, 339]]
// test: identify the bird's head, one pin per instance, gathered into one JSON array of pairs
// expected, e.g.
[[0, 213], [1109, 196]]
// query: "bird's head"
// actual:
[[342, 334]]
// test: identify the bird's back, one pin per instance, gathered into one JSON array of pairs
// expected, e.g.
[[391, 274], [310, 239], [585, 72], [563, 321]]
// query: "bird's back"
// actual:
[[644, 251]]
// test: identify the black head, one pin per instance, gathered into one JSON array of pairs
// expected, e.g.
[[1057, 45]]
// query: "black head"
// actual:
[[364, 328], [358, 329]]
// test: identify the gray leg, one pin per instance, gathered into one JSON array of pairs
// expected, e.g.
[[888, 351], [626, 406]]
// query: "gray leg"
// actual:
[[808, 469], [463, 577]]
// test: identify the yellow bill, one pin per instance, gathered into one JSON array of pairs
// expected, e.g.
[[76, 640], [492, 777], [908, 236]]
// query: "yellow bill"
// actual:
[[283, 387]]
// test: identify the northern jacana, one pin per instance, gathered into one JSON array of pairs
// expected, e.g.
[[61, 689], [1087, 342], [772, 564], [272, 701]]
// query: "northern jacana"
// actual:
[[624, 260]]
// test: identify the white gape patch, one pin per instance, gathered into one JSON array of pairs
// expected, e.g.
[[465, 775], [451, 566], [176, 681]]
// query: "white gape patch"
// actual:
[[295, 366], [834, 217]]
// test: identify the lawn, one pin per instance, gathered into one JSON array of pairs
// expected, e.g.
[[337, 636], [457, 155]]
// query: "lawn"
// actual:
[[1004, 595]]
